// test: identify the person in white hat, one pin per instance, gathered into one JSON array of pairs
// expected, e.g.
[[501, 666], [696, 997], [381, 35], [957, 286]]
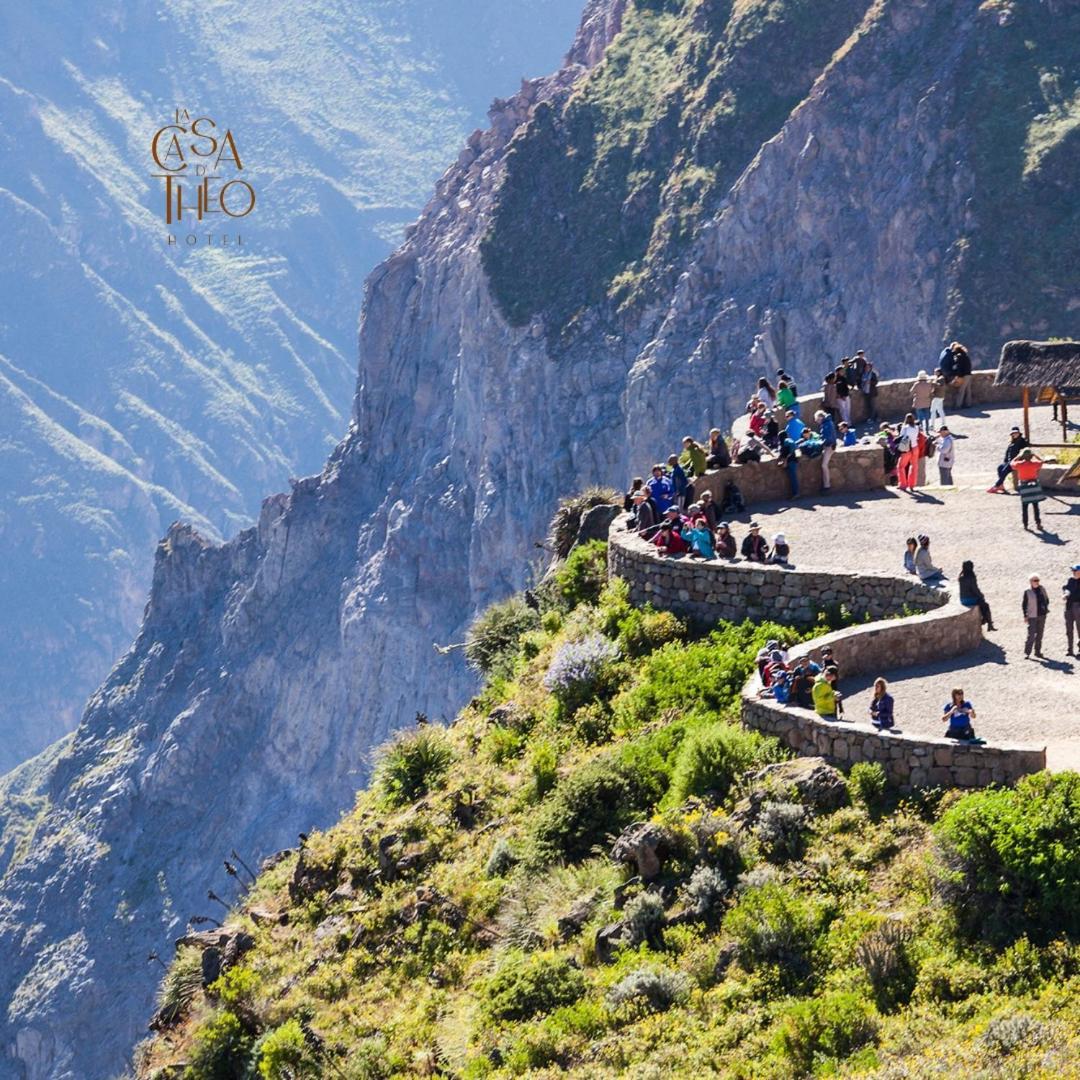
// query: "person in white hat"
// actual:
[[922, 394], [781, 552]]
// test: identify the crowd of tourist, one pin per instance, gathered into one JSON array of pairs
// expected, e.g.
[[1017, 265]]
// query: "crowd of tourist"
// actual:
[[667, 510]]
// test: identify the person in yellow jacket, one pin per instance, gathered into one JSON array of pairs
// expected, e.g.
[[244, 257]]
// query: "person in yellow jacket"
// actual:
[[826, 697]]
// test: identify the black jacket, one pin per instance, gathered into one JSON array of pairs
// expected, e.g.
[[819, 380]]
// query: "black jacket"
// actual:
[[1072, 588], [961, 362], [1043, 601], [1013, 449]]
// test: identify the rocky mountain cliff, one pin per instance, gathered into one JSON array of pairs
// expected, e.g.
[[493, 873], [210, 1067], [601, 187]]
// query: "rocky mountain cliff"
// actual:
[[141, 383], [706, 190]]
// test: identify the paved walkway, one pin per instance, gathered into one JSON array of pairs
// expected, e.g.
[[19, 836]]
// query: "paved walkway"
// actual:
[[1017, 700]]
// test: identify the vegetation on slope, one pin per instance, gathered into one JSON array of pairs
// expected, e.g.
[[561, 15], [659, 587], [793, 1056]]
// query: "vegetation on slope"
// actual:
[[598, 188], [466, 919]]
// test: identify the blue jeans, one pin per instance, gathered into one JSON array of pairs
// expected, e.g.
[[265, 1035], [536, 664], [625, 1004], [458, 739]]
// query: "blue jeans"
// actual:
[[793, 475], [923, 417]]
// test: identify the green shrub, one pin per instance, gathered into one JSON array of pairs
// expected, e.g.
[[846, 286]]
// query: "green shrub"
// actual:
[[543, 768], [525, 986], [180, 986], [592, 724], [221, 1049], [711, 759], [866, 785], [774, 927], [702, 677], [649, 990], [1011, 859], [283, 1054], [884, 955], [501, 860], [643, 631], [501, 744], [581, 578], [588, 806], [238, 986], [492, 643], [581, 670], [780, 828], [414, 763], [644, 920], [829, 1027]]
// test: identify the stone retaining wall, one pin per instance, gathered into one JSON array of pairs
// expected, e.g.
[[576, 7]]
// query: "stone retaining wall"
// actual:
[[714, 590], [707, 592], [894, 397]]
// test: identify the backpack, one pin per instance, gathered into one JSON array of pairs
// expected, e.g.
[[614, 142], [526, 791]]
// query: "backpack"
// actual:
[[930, 447]]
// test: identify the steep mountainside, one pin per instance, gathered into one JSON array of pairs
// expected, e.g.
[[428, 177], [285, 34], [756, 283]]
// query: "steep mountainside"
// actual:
[[141, 383], [851, 202]]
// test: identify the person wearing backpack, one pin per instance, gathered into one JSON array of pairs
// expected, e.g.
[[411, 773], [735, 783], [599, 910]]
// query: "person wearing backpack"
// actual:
[[908, 446], [962, 377]]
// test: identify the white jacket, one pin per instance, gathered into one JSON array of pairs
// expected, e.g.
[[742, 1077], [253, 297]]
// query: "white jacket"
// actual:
[[946, 452]]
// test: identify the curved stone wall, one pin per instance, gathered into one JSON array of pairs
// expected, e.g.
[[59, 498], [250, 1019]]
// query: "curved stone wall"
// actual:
[[707, 592]]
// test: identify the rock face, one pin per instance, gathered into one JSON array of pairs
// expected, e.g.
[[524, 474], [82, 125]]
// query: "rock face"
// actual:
[[142, 382], [267, 668]]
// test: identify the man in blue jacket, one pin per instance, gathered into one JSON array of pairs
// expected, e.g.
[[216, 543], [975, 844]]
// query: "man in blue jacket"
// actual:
[[660, 489]]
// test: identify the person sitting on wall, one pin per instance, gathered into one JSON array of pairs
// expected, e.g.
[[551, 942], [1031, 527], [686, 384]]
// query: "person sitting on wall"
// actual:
[[764, 656], [771, 436], [756, 423], [725, 542], [752, 449], [774, 666], [709, 509], [628, 499], [924, 564], [845, 435], [781, 551], [971, 595], [660, 489], [1017, 442], [785, 396], [801, 688], [827, 702], [754, 548], [783, 376], [881, 706], [958, 714], [694, 457], [669, 539], [719, 457], [909, 555], [699, 535]]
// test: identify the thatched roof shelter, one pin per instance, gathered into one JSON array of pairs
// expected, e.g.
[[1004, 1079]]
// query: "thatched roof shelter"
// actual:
[[1050, 368]]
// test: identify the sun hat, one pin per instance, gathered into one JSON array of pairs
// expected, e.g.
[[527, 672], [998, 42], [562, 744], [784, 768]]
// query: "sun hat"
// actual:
[[779, 539], [754, 525], [922, 375]]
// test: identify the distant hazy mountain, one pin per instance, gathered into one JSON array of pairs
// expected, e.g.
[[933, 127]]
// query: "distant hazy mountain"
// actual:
[[139, 382]]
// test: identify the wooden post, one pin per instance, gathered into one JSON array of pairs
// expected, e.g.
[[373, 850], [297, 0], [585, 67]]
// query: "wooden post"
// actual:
[[1027, 418]]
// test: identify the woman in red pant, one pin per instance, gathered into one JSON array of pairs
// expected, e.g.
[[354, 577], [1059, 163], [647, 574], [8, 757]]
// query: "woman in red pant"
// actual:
[[907, 468]]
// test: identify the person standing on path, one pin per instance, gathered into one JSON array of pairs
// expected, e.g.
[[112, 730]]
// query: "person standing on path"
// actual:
[[1071, 592], [962, 375], [937, 402], [922, 393], [843, 394], [827, 430], [868, 386], [1027, 467], [946, 456], [907, 468], [1035, 604]]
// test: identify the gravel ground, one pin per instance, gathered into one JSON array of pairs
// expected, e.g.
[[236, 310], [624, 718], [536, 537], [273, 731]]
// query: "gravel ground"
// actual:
[[1020, 701]]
